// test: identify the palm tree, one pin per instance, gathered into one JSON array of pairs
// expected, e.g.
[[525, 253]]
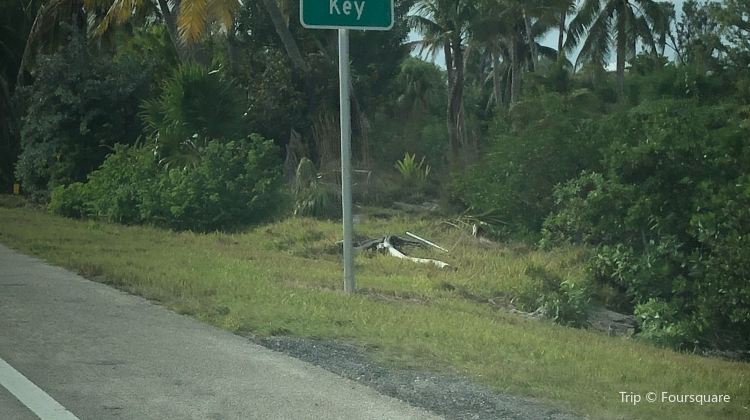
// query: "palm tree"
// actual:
[[607, 22], [661, 25], [188, 20], [490, 35], [421, 85], [444, 25], [554, 13], [45, 31], [508, 30]]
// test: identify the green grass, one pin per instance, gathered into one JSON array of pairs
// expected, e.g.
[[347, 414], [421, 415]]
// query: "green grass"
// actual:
[[284, 278]]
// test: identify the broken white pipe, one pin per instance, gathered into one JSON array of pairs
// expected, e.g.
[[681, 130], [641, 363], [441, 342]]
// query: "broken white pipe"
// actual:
[[398, 254], [426, 241]]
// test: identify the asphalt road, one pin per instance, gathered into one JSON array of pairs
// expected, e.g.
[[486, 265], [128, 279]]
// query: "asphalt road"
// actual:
[[100, 353]]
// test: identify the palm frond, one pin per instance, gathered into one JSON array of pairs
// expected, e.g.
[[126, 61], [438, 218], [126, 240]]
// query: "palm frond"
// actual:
[[192, 20], [223, 12], [118, 12], [587, 13], [424, 25], [598, 44]]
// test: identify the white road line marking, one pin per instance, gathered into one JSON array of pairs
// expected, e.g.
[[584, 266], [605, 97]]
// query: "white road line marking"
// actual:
[[41, 404]]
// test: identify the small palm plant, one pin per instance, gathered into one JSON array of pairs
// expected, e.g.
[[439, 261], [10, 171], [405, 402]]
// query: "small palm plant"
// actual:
[[413, 172], [312, 196], [196, 106]]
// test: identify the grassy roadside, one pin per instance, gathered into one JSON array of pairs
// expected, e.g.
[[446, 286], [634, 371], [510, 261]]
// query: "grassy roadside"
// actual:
[[284, 279]]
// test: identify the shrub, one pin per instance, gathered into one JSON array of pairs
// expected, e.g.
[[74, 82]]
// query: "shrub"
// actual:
[[234, 184], [578, 204], [563, 301], [543, 143], [69, 201], [78, 107], [124, 188], [669, 217], [661, 323], [568, 305]]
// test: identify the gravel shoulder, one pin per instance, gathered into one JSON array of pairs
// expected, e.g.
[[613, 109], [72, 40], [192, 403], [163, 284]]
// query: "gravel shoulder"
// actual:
[[450, 396]]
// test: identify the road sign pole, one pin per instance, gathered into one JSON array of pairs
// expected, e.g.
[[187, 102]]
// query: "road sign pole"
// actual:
[[343, 15], [346, 156]]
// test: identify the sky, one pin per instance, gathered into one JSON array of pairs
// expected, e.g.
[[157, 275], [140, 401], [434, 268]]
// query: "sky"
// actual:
[[550, 39]]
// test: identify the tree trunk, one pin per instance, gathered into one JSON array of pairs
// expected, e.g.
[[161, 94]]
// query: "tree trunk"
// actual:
[[8, 132], [76, 20], [233, 52], [531, 40], [497, 79], [170, 22], [27, 51], [448, 64], [450, 122], [455, 103], [362, 125], [622, 43], [515, 88], [184, 51], [290, 45]]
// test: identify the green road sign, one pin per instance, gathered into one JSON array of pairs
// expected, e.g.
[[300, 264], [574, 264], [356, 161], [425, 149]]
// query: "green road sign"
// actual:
[[347, 14]]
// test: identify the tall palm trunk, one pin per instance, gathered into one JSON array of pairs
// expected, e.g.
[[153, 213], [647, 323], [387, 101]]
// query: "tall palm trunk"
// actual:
[[8, 132], [458, 95], [171, 23], [185, 51], [497, 79], [531, 40], [515, 62], [290, 45], [622, 44], [456, 120], [450, 68], [77, 19], [561, 36]]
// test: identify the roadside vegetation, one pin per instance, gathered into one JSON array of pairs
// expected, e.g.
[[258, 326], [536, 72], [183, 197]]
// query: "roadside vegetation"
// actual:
[[282, 279], [609, 171]]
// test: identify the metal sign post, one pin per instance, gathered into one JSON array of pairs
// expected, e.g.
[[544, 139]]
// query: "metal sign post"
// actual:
[[346, 160], [343, 15]]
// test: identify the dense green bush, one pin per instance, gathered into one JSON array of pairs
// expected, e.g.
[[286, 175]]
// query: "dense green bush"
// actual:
[[541, 143], [569, 305], [669, 216], [80, 104], [564, 301], [69, 200], [416, 99], [124, 189], [233, 184]]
